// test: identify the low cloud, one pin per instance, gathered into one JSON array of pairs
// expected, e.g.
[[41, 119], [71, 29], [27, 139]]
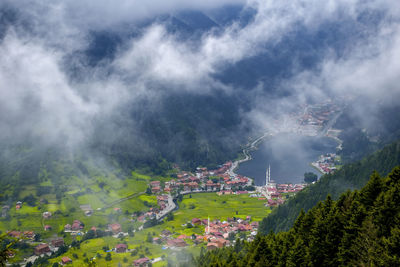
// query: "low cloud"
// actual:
[[40, 98]]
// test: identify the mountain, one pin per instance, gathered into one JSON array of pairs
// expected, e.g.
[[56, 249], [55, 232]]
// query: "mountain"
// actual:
[[361, 228], [203, 122], [351, 176]]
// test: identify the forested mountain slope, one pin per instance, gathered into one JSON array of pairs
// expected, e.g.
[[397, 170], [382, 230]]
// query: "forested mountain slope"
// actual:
[[361, 228], [351, 176]]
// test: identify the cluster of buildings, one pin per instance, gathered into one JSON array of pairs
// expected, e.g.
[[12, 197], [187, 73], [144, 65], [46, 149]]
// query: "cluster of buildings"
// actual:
[[203, 181], [273, 192], [6, 208], [26, 234], [290, 188], [217, 234], [319, 114], [142, 262], [326, 163], [310, 120], [76, 226], [163, 205], [45, 248]]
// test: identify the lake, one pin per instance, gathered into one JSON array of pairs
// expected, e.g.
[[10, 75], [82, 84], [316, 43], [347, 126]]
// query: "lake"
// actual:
[[289, 155]]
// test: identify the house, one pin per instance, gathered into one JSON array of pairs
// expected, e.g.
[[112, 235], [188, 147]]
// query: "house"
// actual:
[[212, 246], [155, 189], [155, 183], [162, 198], [156, 240], [14, 234], [254, 224], [67, 227], [176, 243], [77, 225], [86, 207], [58, 242], [47, 227], [221, 242], [199, 239], [42, 249], [166, 233], [141, 262], [142, 218], [120, 248], [65, 260], [115, 228], [29, 234], [272, 202], [196, 221], [46, 214]]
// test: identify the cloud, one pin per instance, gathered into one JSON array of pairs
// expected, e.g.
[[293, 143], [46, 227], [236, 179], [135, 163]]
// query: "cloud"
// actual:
[[41, 99], [36, 96], [102, 14]]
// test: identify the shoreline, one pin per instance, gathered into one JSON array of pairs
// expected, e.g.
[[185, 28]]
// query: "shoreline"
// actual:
[[253, 145]]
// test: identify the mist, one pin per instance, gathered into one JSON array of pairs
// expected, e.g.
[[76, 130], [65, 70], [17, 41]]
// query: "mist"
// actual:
[[54, 91]]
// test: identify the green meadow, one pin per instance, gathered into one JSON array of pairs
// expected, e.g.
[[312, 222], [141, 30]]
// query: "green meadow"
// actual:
[[199, 205], [104, 194]]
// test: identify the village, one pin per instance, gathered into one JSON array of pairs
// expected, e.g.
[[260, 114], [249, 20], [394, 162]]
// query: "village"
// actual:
[[222, 181], [327, 163], [217, 233]]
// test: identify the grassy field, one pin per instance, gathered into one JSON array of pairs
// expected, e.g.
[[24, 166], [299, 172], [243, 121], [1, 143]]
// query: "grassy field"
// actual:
[[102, 190], [205, 204]]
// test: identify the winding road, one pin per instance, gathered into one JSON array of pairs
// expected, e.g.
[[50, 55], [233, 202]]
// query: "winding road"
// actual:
[[246, 152]]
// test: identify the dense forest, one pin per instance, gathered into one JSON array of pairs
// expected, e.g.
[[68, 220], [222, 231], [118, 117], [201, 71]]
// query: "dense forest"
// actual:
[[351, 176], [361, 228], [361, 138]]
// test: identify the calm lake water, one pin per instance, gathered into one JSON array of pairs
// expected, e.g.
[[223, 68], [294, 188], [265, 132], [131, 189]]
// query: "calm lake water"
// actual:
[[289, 155]]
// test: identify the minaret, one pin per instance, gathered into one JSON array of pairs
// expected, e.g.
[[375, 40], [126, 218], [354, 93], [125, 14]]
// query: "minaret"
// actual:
[[269, 173], [208, 226], [268, 176]]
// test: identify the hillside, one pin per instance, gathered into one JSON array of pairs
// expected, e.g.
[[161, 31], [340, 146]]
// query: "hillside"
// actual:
[[351, 176], [361, 228]]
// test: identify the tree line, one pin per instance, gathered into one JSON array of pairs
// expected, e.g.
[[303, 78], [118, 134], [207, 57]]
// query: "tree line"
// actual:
[[360, 228]]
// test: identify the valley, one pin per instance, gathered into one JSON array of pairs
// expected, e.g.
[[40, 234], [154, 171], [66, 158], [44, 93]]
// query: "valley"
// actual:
[[95, 216], [199, 133]]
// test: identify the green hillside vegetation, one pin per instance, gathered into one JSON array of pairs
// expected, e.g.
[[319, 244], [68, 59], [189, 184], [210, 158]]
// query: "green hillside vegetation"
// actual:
[[361, 228], [351, 176], [191, 206], [101, 192]]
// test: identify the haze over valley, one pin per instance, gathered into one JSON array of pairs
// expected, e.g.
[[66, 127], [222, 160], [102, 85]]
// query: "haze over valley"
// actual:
[[141, 132]]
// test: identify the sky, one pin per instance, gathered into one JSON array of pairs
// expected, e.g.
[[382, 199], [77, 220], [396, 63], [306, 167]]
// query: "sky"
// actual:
[[40, 98]]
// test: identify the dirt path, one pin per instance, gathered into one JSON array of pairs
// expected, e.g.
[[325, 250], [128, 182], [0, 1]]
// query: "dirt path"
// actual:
[[121, 200]]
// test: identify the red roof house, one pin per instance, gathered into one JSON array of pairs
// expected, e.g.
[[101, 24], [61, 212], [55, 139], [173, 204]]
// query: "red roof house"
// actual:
[[65, 260], [141, 262], [120, 248]]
